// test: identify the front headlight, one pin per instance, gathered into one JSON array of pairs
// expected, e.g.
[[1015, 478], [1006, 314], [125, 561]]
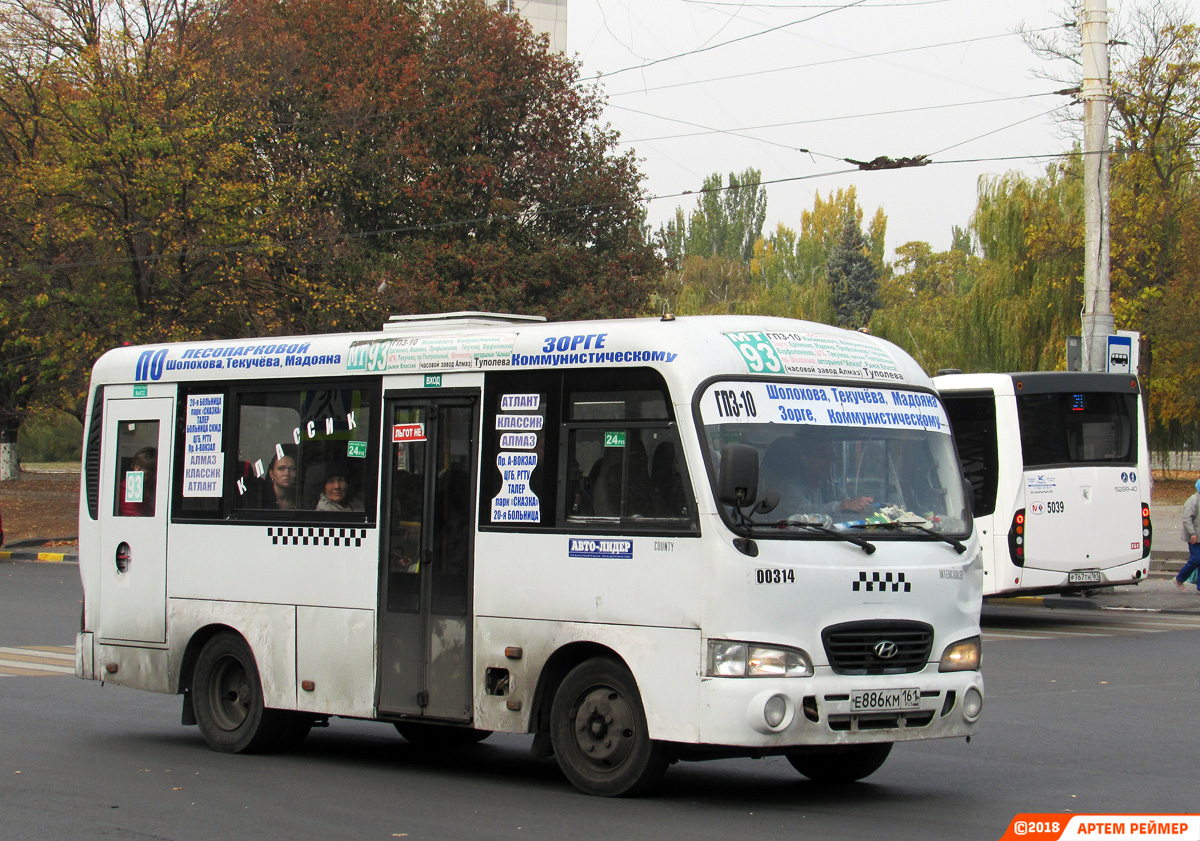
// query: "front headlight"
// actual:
[[962, 656], [728, 658]]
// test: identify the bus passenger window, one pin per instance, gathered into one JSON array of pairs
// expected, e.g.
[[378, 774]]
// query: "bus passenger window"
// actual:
[[137, 474], [624, 457], [303, 451]]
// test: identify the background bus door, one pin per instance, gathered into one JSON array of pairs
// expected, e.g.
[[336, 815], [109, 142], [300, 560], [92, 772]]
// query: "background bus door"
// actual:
[[134, 489], [425, 630]]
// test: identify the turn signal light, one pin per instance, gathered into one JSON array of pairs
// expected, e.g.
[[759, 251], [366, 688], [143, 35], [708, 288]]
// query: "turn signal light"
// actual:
[[1016, 538], [1147, 530]]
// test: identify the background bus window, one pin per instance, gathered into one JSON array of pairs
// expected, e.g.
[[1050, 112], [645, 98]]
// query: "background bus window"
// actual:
[[1077, 428], [137, 474]]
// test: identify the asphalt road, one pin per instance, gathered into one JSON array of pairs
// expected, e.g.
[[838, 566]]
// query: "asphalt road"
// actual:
[[1087, 711]]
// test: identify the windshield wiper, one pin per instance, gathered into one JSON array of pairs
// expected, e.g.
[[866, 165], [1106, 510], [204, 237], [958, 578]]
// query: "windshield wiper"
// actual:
[[865, 545], [959, 547]]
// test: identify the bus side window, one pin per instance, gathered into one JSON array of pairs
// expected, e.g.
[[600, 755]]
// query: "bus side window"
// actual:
[[623, 449], [137, 471], [303, 451]]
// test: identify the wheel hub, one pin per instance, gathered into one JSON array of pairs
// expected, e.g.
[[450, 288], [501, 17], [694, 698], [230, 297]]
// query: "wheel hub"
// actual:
[[231, 695], [604, 727]]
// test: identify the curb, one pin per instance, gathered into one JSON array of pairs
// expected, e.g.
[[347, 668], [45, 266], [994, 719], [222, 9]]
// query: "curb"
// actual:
[[45, 557]]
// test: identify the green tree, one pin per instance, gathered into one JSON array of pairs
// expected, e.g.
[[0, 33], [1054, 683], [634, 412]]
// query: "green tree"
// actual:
[[727, 221], [853, 276]]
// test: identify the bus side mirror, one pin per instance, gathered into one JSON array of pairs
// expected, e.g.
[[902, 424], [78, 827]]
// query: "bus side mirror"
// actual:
[[968, 496], [737, 482]]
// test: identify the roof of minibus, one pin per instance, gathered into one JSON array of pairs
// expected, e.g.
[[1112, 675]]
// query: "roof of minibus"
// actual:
[[686, 349], [1038, 382]]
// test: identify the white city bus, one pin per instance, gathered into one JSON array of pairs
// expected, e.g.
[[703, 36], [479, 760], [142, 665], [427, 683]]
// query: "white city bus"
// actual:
[[1059, 465], [472, 523]]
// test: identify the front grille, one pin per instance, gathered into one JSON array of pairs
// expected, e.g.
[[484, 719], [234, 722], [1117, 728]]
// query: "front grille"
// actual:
[[855, 648], [879, 721]]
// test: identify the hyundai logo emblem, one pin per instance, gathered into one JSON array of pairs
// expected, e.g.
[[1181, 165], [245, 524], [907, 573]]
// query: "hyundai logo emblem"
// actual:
[[886, 649]]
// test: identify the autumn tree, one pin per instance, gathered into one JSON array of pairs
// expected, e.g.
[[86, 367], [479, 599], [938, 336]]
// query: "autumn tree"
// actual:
[[783, 273], [923, 301], [1153, 131], [220, 168], [823, 225]]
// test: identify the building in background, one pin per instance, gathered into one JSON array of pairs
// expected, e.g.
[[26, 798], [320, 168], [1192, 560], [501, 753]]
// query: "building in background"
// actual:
[[549, 16]]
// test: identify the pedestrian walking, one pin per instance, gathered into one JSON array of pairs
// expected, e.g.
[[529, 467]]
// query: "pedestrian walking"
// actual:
[[1191, 536]]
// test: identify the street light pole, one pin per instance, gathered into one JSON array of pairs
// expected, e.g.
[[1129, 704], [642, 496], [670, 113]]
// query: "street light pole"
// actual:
[[1097, 323]]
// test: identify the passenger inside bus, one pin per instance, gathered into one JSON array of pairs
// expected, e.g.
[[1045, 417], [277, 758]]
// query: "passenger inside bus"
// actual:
[[337, 493], [408, 496], [801, 472], [608, 481], [144, 461], [670, 500], [280, 490]]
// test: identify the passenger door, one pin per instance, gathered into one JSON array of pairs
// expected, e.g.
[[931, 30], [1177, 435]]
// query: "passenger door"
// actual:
[[427, 560], [134, 496]]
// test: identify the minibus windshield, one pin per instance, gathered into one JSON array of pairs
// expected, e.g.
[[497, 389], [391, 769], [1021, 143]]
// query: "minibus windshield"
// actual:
[[872, 461]]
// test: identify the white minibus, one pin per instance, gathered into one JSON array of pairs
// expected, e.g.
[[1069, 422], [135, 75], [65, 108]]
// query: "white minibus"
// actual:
[[1060, 469], [593, 533]]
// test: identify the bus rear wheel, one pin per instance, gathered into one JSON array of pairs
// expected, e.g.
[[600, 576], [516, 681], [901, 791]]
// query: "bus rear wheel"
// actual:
[[839, 763], [227, 699], [599, 733]]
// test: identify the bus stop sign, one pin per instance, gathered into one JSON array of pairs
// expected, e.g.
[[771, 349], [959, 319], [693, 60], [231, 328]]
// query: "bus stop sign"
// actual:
[[1120, 354]]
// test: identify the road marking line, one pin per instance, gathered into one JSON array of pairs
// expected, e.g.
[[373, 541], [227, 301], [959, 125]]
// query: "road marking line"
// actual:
[[40, 660], [45, 671]]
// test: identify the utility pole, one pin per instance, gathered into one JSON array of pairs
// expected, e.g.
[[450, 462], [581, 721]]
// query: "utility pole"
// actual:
[[1097, 305]]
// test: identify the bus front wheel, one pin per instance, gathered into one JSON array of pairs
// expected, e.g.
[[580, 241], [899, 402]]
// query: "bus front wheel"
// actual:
[[227, 699], [599, 733], [839, 763]]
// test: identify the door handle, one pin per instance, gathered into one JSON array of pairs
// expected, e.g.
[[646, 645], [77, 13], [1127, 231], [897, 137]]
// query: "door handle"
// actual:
[[123, 557]]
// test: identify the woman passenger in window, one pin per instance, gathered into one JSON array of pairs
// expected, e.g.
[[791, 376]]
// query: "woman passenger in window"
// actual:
[[336, 491], [144, 461], [281, 490]]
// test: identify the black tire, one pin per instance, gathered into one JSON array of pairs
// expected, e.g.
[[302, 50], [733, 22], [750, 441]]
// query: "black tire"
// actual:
[[599, 733], [227, 699], [837, 764], [439, 735]]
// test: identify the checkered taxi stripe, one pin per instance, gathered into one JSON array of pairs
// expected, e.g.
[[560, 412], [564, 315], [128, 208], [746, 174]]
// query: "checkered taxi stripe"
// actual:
[[882, 582], [302, 536]]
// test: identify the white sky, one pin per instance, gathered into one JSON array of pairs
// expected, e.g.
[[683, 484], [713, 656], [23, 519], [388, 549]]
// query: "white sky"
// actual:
[[687, 118]]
